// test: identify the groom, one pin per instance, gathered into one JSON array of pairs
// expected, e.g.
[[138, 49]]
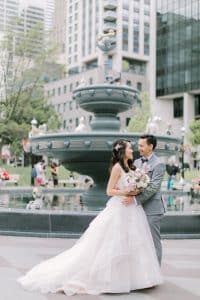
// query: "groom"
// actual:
[[151, 198]]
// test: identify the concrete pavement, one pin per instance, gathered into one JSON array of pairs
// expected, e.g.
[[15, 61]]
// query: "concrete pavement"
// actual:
[[181, 269]]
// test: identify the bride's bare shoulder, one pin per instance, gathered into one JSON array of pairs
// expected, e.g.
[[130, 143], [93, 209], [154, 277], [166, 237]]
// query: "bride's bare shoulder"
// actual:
[[117, 168]]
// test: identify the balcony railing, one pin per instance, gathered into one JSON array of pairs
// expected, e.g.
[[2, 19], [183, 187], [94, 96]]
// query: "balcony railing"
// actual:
[[110, 4], [109, 25], [110, 15]]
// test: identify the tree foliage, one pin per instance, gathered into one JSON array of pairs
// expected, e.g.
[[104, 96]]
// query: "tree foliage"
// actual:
[[24, 69], [195, 129], [142, 113]]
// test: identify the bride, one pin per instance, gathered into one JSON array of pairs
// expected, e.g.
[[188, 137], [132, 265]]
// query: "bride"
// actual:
[[115, 254]]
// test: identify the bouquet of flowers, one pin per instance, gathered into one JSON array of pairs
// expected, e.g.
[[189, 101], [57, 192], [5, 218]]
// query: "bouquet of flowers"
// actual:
[[137, 179]]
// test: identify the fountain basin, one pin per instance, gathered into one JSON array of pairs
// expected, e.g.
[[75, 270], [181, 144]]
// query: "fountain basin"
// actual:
[[104, 98], [90, 153]]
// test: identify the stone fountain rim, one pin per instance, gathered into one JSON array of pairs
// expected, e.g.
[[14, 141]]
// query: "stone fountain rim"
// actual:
[[99, 134], [104, 86]]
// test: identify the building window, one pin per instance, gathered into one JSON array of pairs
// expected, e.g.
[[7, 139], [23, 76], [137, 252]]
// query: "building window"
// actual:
[[136, 48], [71, 87], [70, 105], [139, 86], [91, 80], [77, 83], [178, 107], [77, 122], [127, 121], [58, 108], [64, 107], [64, 123], [197, 106], [59, 91], [128, 82], [48, 94], [146, 50], [65, 89], [125, 38], [133, 66], [53, 92]]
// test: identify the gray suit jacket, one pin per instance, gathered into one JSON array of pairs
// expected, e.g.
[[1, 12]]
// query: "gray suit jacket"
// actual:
[[151, 198]]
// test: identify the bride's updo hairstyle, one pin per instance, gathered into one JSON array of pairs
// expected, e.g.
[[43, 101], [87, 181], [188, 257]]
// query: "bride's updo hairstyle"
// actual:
[[118, 153]]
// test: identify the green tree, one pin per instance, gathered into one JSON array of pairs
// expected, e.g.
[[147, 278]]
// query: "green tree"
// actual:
[[24, 66], [142, 113], [195, 135]]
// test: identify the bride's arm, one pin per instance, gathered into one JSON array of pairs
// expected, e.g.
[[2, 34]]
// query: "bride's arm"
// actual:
[[114, 177]]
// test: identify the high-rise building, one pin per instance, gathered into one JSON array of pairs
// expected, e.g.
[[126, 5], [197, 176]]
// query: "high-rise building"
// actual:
[[49, 8], [59, 28], [2, 71], [18, 17], [178, 62], [85, 20], [130, 20], [9, 10], [31, 16]]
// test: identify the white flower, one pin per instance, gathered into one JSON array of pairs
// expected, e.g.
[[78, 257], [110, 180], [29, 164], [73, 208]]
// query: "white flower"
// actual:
[[137, 179]]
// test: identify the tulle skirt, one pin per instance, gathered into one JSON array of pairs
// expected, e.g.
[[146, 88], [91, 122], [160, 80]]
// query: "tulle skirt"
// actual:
[[116, 254]]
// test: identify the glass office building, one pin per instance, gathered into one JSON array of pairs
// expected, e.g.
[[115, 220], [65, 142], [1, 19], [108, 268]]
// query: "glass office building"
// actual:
[[178, 46], [177, 63]]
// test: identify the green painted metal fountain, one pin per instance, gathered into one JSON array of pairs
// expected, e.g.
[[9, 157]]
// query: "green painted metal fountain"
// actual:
[[89, 153]]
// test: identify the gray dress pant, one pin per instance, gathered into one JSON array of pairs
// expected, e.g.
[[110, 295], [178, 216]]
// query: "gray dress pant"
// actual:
[[154, 223]]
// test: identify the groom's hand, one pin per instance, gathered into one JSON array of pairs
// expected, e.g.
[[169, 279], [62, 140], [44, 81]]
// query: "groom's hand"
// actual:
[[128, 200]]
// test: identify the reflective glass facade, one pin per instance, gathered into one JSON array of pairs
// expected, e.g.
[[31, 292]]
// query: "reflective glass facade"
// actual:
[[178, 46]]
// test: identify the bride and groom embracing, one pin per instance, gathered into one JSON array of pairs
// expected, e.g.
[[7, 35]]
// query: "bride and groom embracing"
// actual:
[[121, 249]]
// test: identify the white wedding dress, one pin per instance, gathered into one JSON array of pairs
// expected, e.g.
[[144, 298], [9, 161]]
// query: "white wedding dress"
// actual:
[[115, 255]]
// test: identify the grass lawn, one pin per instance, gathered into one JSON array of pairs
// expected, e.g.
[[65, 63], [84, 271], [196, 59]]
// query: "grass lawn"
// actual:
[[25, 173], [189, 175]]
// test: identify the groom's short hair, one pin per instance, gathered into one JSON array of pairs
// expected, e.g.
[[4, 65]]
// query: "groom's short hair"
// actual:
[[151, 139]]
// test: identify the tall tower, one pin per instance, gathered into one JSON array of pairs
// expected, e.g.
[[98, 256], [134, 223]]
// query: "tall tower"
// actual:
[[59, 28], [178, 61], [31, 16], [131, 21], [9, 10], [131, 60], [49, 9]]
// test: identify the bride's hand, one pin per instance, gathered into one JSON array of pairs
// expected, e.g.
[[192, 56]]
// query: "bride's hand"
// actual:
[[133, 193]]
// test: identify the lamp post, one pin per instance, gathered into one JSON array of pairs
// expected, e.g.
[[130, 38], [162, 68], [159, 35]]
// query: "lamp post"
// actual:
[[182, 152], [34, 124]]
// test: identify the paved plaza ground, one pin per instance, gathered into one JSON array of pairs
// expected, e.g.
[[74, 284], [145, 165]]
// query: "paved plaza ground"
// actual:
[[181, 269]]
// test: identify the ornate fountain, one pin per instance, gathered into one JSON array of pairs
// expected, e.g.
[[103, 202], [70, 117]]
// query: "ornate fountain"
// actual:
[[89, 153]]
